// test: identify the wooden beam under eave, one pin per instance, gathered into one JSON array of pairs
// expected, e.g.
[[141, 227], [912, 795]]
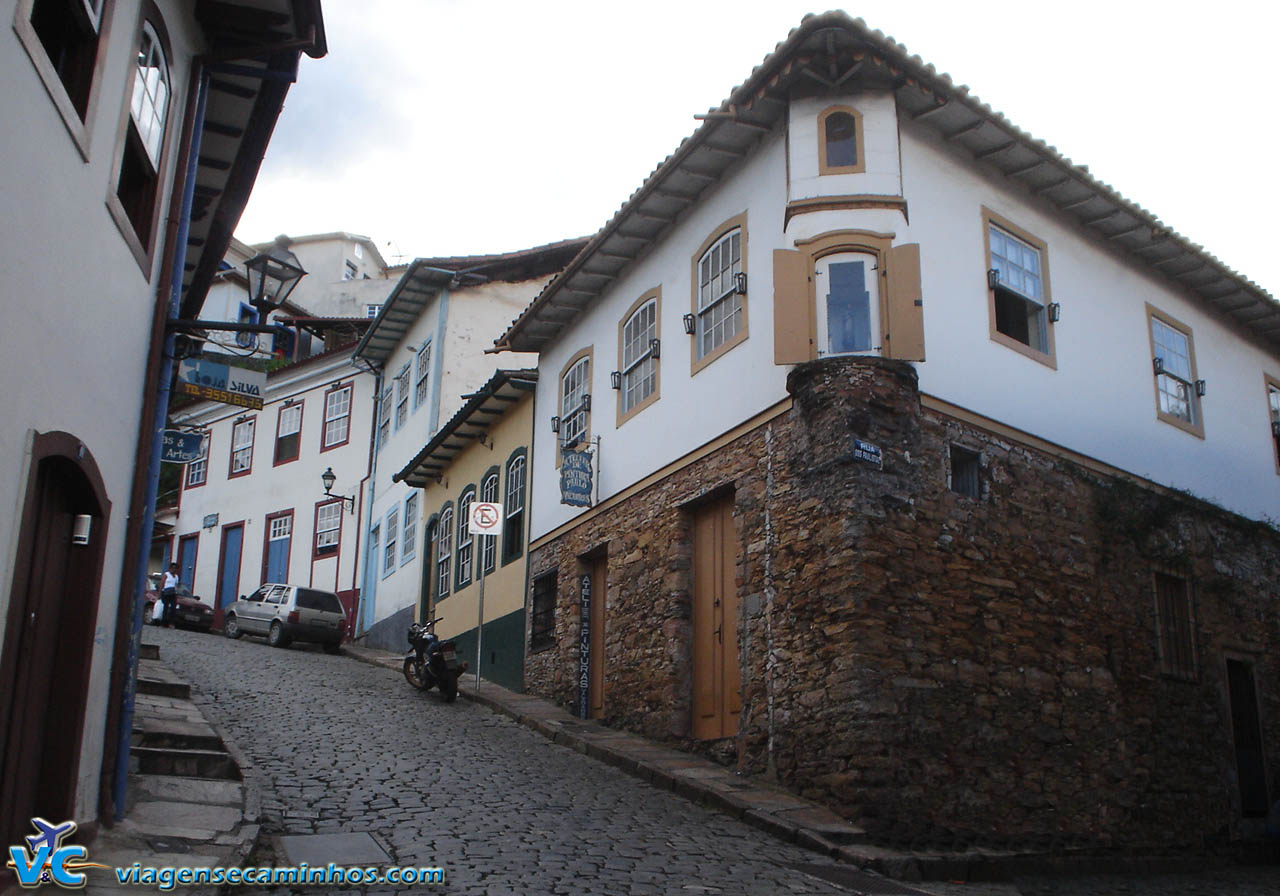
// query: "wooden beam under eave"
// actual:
[[933, 110], [995, 151], [967, 129]]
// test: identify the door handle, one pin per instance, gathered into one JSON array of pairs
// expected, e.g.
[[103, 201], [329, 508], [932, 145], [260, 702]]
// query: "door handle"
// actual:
[[719, 633]]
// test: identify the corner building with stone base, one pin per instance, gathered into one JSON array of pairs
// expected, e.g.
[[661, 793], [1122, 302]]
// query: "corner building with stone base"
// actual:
[[1018, 591]]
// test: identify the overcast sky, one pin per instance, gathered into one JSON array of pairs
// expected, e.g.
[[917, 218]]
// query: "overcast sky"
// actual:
[[442, 127]]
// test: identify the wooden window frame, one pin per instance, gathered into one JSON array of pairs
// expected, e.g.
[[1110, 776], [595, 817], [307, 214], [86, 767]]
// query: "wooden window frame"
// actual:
[[383, 430], [422, 373], [1184, 668], [442, 562], [78, 127], [409, 530], [489, 543], [513, 547], [1271, 386], [391, 542], [858, 167], [465, 499], [543, 637], [737, 222], [326, 419], [232, 473], [1196, 426], [144, 249], [653, 296], [402, 395], [1048, 358], [208, 452], [315, 537], [587, 354], [277, 460]]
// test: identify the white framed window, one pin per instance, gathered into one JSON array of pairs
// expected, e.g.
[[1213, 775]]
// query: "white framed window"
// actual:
[[328, 528], [719, 317], [242, 447], [444, 550], [349, 270], [149, 106], [848, 316], [420, 391], [198, 469], [639, 363], [488, 544], [575, 402], [1273, 406], [402, 397], [358, 250], [464, 537], [281, 527], [375, 544], [1018, 287], [337, 417], [389, 549], [513, 508], [384, 417], [840, 144], [1174, 366], [409, 537], [371, 310], [138, 177]]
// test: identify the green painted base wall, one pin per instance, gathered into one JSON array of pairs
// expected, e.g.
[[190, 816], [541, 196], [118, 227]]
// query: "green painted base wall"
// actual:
[[503, 651]]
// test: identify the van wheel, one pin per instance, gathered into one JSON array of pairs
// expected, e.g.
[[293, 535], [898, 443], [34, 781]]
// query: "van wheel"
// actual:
[[231, 628], [276, 636]]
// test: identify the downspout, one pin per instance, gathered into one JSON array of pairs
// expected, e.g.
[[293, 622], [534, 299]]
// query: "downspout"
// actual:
[[367, 595], [153, 462], [437, 361]]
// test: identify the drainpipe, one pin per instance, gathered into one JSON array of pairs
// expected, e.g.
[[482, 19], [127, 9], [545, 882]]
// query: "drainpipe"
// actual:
[[370, 585], [153, 462]]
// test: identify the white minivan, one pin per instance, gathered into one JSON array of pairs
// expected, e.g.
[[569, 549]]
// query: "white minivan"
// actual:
[[287, 613]]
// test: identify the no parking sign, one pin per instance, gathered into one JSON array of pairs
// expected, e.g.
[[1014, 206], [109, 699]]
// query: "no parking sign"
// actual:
[[485, 519]]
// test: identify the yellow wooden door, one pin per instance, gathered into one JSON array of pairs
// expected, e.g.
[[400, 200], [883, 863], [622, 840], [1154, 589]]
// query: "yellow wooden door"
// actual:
[[717, 699]]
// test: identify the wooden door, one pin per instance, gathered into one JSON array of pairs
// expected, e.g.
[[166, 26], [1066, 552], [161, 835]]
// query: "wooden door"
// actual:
[[1246, 730], [599, 593], [48, 648], [717, 699], [228, 569]]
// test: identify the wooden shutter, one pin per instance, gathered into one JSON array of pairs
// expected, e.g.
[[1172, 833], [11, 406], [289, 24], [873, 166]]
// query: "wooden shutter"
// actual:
[[905, 331], [792, 308]]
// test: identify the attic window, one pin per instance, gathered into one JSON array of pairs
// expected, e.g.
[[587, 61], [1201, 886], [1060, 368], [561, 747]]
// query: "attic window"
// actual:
[[840, 146]]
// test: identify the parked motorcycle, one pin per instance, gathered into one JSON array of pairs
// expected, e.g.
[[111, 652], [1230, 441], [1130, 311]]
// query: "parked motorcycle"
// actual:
[[432, 662]]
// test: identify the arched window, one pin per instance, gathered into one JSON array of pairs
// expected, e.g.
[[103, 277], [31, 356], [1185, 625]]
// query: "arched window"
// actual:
[[513, 509], [464, 537], [488, 544], [840, 141], [720, 293], [444, 549]]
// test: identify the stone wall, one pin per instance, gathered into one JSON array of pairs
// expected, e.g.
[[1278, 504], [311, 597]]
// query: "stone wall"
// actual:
[[943, 668]]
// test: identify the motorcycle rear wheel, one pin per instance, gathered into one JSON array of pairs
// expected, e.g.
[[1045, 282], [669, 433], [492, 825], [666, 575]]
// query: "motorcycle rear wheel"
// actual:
[[449, 688], [413, 676]]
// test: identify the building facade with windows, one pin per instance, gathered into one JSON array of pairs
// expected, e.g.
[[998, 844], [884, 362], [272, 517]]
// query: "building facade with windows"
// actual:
[[127, 163], [253, 508], [926, 472], [427, 348], [480, 454]]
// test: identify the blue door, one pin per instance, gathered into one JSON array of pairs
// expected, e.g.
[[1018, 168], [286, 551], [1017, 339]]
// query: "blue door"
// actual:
[[229, 566], [187, 559], [279, 536]]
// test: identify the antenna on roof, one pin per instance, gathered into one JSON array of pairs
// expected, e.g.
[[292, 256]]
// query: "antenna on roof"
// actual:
[[398, 256]]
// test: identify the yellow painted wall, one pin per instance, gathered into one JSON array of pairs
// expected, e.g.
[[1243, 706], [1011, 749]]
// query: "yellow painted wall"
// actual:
[[503, 588]]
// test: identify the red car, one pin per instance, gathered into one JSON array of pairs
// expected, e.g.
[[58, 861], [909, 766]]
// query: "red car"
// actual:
[[190, 611]]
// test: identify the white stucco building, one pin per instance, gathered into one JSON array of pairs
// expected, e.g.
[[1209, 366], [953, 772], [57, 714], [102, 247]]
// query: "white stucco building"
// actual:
[[129, 155], [427, 347], [861, 363]]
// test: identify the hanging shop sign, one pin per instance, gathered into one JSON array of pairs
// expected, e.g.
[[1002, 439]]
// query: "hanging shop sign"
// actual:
[[222, 382], [181, 447], [575, 478]]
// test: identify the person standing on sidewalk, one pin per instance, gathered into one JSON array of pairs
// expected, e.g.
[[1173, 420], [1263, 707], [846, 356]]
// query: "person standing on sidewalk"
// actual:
[[169, 595]]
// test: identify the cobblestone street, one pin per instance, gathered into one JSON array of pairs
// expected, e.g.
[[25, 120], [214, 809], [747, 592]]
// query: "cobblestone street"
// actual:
[[340, 746]]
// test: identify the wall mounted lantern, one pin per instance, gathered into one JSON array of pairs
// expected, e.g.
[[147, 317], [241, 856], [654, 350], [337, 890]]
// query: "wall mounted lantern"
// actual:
[[328, 478], [689, 323], [272, 276]]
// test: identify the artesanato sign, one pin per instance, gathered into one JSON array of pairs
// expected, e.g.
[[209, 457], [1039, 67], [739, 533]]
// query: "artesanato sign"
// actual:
[[181, 447], [575, 478], [222, 382]]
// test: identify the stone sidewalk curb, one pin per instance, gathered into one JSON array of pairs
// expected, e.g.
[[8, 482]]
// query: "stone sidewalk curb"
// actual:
[[758, 803], [777, 811]]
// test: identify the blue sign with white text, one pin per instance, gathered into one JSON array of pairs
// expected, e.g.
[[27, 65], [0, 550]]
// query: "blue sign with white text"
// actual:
[[181, 447]]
